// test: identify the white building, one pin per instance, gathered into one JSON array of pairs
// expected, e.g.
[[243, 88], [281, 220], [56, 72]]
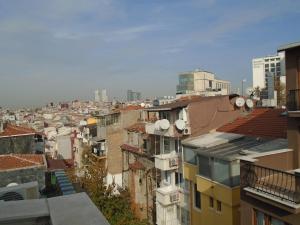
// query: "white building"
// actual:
[[104, 96], [97, 96], [274, 64], [201, 83]]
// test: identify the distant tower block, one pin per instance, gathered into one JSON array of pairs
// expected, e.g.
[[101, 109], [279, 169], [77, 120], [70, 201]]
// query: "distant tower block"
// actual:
[[104, 96], [97, 96]]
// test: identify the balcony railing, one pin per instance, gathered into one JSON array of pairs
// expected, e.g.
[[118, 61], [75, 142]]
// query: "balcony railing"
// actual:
[[293, 100], [278, 184]]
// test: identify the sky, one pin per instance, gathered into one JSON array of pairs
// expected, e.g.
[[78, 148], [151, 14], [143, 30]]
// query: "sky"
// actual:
[[62, 50]]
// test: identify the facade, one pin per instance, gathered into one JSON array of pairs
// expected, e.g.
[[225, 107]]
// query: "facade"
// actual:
[[104, 96], [270, 182], [111, 132], [212, 163], [20, 140], [139, 172], [172, 124], [274, 64], [133, 96], [201, 83], [22, 168]]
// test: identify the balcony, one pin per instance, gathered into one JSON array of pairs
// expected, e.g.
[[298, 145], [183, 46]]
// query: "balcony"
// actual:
[[293, 103], [151, 129], [271, 185], [166, 161], [167, 195]]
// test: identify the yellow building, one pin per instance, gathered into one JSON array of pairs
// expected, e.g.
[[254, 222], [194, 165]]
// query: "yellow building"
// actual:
[[211, 166]]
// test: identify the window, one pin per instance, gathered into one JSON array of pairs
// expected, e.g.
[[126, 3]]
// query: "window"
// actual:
[[145, 144], [178, 179], [262, 219], [221, 171], [167, 178], [204, 166], [164, 115], [272, 64], [219, 206], [211, 202], [166, 145], [189, 156], [267, 65], [210, 83], [197, 197]]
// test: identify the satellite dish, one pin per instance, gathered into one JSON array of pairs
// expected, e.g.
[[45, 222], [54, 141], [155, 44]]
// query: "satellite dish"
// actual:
[[143, 104], [157, 125], [12, 185], [180, 124], [164, 124], [249, 103], [240, 102]]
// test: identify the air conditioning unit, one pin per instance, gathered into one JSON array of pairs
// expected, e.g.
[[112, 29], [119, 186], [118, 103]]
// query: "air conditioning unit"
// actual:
[[173, 162], [23, 191], [174, 197], [187, 131]]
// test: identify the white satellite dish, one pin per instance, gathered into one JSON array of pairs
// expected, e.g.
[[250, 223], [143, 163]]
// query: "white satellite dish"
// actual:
[[12, 185], [157, 125], [180, 124], [240, 102], [249, 91], [164, 124], [249, 103], [143, 104]]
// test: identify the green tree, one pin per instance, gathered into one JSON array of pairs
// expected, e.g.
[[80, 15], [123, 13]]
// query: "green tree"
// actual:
[[113, 203]]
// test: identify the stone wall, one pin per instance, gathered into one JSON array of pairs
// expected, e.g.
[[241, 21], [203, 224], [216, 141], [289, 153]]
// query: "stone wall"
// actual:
[[23, 175]]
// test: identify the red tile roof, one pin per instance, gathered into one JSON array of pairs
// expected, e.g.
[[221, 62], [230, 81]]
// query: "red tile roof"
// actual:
[[14, 161], [261, 122], [12, 130], [137, 127], [131, 107], [59, 164], [136, 166]]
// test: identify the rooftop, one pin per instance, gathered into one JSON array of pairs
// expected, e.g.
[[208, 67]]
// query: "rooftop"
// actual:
[[288, 46], [261, 122], [230, 146], [55, 211], [14, 161], [12, 130], [137, 127]]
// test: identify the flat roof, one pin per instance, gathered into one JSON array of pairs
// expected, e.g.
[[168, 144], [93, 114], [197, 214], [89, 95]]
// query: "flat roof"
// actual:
[[230, 147], [288, 46], [75, 209]]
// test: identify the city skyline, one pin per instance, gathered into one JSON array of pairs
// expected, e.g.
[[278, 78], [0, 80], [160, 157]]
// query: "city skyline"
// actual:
[[64, 50]]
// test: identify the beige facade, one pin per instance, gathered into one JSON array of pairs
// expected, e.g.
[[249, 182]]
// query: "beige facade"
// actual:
[[202, 83]]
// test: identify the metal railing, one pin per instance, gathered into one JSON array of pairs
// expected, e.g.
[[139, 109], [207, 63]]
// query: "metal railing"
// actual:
[[293, 100], [279, 184]]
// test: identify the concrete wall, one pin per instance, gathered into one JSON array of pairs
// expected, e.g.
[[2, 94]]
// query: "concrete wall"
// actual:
[[218, 111], [19, 145], [115, 138], [64, 147], [23, 175]]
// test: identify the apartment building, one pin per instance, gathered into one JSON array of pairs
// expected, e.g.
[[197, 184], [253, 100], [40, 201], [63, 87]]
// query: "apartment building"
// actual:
[[111, 132], [270, 181], [175, 122], [203, 83], [139, 172], [211, 164], [261, 67]]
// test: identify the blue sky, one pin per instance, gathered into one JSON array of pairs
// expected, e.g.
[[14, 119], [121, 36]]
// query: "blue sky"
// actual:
[[65, 49]]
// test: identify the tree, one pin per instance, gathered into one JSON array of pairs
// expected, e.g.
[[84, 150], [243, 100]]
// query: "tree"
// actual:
[[114, 204]]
